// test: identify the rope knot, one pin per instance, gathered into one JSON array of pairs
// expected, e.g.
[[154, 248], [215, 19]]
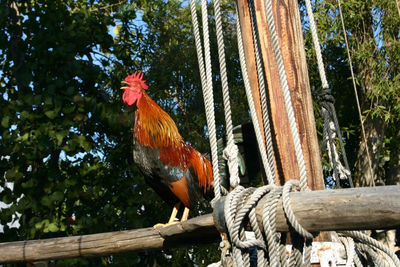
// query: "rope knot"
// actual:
[[231, 155], [325, 95]]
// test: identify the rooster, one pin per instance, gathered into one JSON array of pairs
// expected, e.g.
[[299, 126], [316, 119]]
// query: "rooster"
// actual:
[[174, 169]]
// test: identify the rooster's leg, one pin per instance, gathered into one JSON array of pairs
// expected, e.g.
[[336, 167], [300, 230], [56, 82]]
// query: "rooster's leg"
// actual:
[[172, 218], [174, 213], [185, 214]]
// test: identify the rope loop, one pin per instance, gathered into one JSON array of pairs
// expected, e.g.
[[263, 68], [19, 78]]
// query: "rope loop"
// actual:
[[287, 188]]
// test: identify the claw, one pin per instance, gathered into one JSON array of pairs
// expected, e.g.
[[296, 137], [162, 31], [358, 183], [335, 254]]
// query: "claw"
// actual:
[[160, 225], [172, 219]]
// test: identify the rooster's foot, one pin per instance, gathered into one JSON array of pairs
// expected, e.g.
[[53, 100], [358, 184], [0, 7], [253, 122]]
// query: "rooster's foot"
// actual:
[[160, 225]]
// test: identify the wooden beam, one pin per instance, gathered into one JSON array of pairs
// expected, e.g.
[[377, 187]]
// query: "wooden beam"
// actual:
[[363, 208], [341, 209], [197, 230]]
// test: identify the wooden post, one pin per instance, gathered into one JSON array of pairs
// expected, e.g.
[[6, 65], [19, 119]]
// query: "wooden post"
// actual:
[[288, 25]]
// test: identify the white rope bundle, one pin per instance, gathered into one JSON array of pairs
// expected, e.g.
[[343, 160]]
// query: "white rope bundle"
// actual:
[[231, 152], [238, 210]]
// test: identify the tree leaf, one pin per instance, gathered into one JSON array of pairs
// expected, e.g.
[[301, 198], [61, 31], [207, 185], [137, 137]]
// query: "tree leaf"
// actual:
[[5, 121], [51, 114]]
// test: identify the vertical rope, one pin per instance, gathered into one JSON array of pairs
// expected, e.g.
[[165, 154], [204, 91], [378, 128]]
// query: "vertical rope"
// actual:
[[317, 46], [206, 82], [286, 95], [355, 93], [256, 125], [263, 89], [328, 110], [231, 152]]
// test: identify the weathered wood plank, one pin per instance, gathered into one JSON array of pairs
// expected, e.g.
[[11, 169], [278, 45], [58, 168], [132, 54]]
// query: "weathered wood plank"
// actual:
[[248, 45], [196, 230], [342, 209], [288, 27]]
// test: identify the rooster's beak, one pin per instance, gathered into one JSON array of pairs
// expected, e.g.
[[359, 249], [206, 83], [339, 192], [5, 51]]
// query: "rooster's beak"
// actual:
[[124, 87]]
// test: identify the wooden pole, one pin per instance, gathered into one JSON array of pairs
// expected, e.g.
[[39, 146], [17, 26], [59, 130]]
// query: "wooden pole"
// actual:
[[247, 36], [194, 231], [341, 209], [288, 25]]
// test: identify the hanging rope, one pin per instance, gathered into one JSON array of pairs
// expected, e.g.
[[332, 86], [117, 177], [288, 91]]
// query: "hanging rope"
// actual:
[[372, 243], [263, 90], [250, 100], [206, 83], [328, 112], [330, 132], [237, 210], [231, 152], [286, 94], [356, 94]]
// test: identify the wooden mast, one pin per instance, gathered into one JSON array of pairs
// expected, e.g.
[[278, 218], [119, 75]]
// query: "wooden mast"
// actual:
[[288, 26]]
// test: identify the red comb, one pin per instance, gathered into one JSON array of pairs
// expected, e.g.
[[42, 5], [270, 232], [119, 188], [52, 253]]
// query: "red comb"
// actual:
[[136, 79]]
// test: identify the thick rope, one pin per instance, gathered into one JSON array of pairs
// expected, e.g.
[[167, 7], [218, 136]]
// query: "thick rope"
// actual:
[[330, 132], [317, 45], [231, 151], [376, 258], [263, 90], [250, 100], [206, 82], [269, 223], [349, 246], [240, 207], [328, 110], [372, 242], [209, 99], [286, 95]]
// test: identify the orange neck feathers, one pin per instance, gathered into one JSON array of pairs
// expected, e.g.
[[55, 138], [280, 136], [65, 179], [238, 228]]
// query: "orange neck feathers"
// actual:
[[153, 126]]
